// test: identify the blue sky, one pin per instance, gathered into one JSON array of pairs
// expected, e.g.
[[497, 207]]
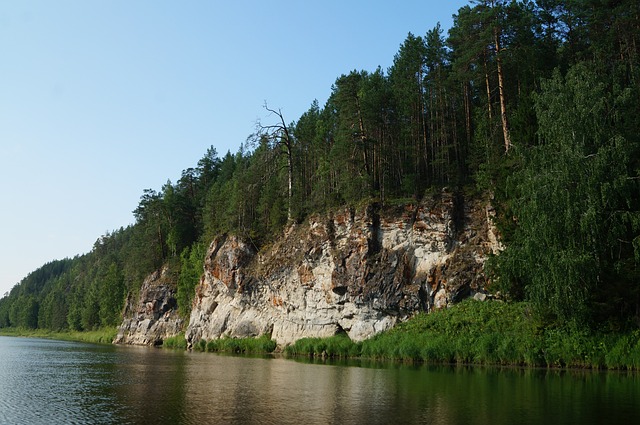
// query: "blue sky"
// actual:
[[100, 100]]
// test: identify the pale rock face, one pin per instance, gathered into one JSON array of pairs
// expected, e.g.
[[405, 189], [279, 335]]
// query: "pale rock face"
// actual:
[[153, 316], [357, 271]]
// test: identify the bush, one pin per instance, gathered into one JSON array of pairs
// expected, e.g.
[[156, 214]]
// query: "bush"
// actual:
[[178, 342], [260, 345], [337, 346]]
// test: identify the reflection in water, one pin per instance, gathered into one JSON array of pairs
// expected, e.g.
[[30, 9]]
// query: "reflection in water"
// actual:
[[151, 384], [243, 390], [52, 382], [246, 390]]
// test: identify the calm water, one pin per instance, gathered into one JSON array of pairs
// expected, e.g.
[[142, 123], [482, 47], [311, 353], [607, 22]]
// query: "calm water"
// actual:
[[54, 382]]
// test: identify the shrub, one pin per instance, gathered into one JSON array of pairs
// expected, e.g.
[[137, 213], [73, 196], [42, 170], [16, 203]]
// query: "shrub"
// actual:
[[262, 344], [178, 342]]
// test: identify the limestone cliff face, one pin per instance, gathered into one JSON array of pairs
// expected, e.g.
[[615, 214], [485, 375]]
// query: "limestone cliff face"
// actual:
[[356, 271], [153, 316]]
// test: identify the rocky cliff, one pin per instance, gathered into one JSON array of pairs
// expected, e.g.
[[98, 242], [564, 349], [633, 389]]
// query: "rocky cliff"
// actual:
[[354, 271], [151, 316], [357, 271]]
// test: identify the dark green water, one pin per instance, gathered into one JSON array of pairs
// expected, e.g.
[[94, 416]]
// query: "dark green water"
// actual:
[[54, 382]]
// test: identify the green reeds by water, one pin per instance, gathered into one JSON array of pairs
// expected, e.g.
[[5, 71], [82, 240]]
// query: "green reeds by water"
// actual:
[[260, 345], [487, 333], [178, 342], [339, 346]]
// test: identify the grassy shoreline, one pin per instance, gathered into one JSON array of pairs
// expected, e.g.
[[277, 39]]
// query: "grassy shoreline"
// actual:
[[99, 336], [471, 333], [490, 333], [484, 333]]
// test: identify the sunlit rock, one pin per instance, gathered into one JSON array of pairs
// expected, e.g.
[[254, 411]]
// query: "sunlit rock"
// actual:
[[152, 316], [357, 271]]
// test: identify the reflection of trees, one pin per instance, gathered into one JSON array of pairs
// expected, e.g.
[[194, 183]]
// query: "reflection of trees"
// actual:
[[195, 388]]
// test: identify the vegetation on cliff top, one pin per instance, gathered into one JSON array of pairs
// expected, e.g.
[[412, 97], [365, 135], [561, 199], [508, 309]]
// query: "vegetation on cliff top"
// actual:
[[535, 102]]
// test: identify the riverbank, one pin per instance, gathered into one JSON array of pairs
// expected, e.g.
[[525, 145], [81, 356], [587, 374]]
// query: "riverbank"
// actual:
[[472, 332], [99, 336], [485, 333]]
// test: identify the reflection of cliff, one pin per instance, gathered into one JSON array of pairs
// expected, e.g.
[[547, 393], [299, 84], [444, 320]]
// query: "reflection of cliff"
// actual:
[[278, 391], [228, 389], [356, 271], [152, 386]]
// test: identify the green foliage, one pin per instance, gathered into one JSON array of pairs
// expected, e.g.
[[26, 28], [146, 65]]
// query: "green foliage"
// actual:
[[576, 204], [261, 345], [104, 335], [111, 291], [338, 346], [53, 311], [623, 352], [90, 311], [200, 345], [472, 332], [177, 342], [492, 333], [191, 269], [5, 305], [23, 312]]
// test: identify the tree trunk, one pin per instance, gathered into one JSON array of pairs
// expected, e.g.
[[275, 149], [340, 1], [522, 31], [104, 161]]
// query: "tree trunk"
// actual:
[[363, 139], [486, 80], [467, 113], [503, 103], [279, 134], [290, 180]]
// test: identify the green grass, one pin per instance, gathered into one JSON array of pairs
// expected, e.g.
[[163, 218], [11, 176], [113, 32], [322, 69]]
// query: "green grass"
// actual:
[[260, 345], [485, 333], [99, 336], [339, 346], [178, 342]]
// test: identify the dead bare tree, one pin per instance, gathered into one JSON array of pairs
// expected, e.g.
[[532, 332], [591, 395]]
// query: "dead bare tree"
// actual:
[[278, 134]]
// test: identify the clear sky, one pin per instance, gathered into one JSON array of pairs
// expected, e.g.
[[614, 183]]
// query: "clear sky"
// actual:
[[100, 99]]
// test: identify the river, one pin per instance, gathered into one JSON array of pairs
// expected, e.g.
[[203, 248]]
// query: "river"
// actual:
[[57, 382]]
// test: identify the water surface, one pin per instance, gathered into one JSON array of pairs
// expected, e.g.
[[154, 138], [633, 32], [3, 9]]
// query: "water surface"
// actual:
[[55, 382]]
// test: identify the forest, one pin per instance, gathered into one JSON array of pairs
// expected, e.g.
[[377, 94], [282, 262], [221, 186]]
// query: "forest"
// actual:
[[532, 104]]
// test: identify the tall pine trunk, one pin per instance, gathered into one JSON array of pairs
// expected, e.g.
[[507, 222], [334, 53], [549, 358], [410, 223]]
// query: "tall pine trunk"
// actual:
[[503, 103]]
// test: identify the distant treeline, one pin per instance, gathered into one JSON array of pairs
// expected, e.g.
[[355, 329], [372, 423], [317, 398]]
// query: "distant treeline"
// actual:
[[536, 103]]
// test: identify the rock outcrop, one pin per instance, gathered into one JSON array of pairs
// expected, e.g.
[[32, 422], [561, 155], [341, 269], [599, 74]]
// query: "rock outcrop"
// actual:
[[357, 271], [153, 316]]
